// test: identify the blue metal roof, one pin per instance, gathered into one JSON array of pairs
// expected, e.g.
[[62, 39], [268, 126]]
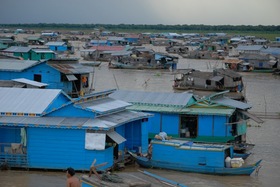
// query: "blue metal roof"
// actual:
[[103, 105], [102, 123], [16, 65], [154, 98], [26, 101]]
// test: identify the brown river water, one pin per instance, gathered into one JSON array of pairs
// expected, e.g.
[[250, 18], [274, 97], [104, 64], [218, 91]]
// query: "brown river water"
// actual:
[[262, 91]]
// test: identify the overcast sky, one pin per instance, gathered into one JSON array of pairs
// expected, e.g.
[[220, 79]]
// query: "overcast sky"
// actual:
[[171, 12]]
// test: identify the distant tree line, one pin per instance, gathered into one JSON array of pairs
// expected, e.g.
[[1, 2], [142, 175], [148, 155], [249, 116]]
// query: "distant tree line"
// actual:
[[159, 27]]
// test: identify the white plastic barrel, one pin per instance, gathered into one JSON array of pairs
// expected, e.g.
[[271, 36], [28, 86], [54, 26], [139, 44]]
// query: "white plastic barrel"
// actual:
[[227, 161]]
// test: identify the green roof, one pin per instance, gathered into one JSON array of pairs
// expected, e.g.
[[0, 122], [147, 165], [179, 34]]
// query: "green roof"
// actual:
[[158, 108], [183, 110], [211, 111]]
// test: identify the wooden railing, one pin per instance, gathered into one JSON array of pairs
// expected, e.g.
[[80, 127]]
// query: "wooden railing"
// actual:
[[13, 155]]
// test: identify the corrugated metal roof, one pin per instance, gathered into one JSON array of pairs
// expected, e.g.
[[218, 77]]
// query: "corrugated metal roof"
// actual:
[[108, 48], [115, 38], [121, 53], [55, 43], [272, 50], [211, 111], [231, 103], [17, 49], [157, 108], [30, 82], [16, 65], [155, 98], [42, 51], [18, 100], [116, 137], [123, 117], [102, 123], [103, 105], [251, 116], [216, 78], [178, 110], [71, 77], [70, 68], [249, 47]]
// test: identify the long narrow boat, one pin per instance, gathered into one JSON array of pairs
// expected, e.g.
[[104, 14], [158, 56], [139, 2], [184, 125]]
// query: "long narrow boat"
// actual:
[[192, 157]]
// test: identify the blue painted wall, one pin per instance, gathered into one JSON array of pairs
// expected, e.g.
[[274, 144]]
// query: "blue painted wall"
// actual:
[[154, 123], [170, 124], [62, 148], [132, 40], [213, 126], [71, 111], [121, 131], [9, 135], [49, 75], [134, 136], [205, 127], [58, 48], [220, 126]]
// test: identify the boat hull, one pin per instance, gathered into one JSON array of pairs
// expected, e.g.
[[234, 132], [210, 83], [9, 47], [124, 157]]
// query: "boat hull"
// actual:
[[149, 163]]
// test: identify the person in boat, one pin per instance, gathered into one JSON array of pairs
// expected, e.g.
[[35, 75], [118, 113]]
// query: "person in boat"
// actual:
[[162, 136], [72, 181]]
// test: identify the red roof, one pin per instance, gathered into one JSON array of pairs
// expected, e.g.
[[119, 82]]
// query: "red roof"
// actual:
[[108, 48]]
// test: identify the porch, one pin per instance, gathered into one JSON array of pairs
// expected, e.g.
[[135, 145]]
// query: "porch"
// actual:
[[13, 155]]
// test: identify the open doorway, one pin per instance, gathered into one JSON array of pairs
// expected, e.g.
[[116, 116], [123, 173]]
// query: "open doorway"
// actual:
[[188, 126]]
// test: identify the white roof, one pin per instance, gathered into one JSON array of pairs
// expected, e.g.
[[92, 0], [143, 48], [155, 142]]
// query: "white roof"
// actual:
[[24, 100], [55, 43], [16, 65], [30, 82]]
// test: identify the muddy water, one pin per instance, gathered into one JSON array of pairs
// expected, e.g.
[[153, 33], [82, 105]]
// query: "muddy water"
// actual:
[[262, 91]]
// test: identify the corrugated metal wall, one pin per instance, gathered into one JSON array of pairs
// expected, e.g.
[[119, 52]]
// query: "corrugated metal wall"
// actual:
[[170, 124], [220, 126], [133, 135], [205, 127], [154, 123], [212, 126], [62, 148]]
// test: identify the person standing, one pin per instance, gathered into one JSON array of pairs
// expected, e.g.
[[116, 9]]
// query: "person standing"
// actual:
[[72, 181]]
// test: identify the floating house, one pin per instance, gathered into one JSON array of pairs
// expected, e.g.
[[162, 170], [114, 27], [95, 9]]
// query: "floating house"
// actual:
[[218, 80], [142, 58], [214, 118], [46, 129], [19, 51], [59, 47], [70, 76], [35, 40], [28, 53]]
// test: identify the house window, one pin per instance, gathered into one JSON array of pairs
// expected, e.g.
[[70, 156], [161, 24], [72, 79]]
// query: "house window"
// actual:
[[37, 77], [188, 126], [208, 82]]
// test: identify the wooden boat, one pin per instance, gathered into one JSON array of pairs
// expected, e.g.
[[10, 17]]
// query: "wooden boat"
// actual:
[[241, 155], [192, 157]]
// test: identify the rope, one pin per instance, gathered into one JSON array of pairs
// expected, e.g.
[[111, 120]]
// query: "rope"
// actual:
[[112, 178], [257, 170]]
